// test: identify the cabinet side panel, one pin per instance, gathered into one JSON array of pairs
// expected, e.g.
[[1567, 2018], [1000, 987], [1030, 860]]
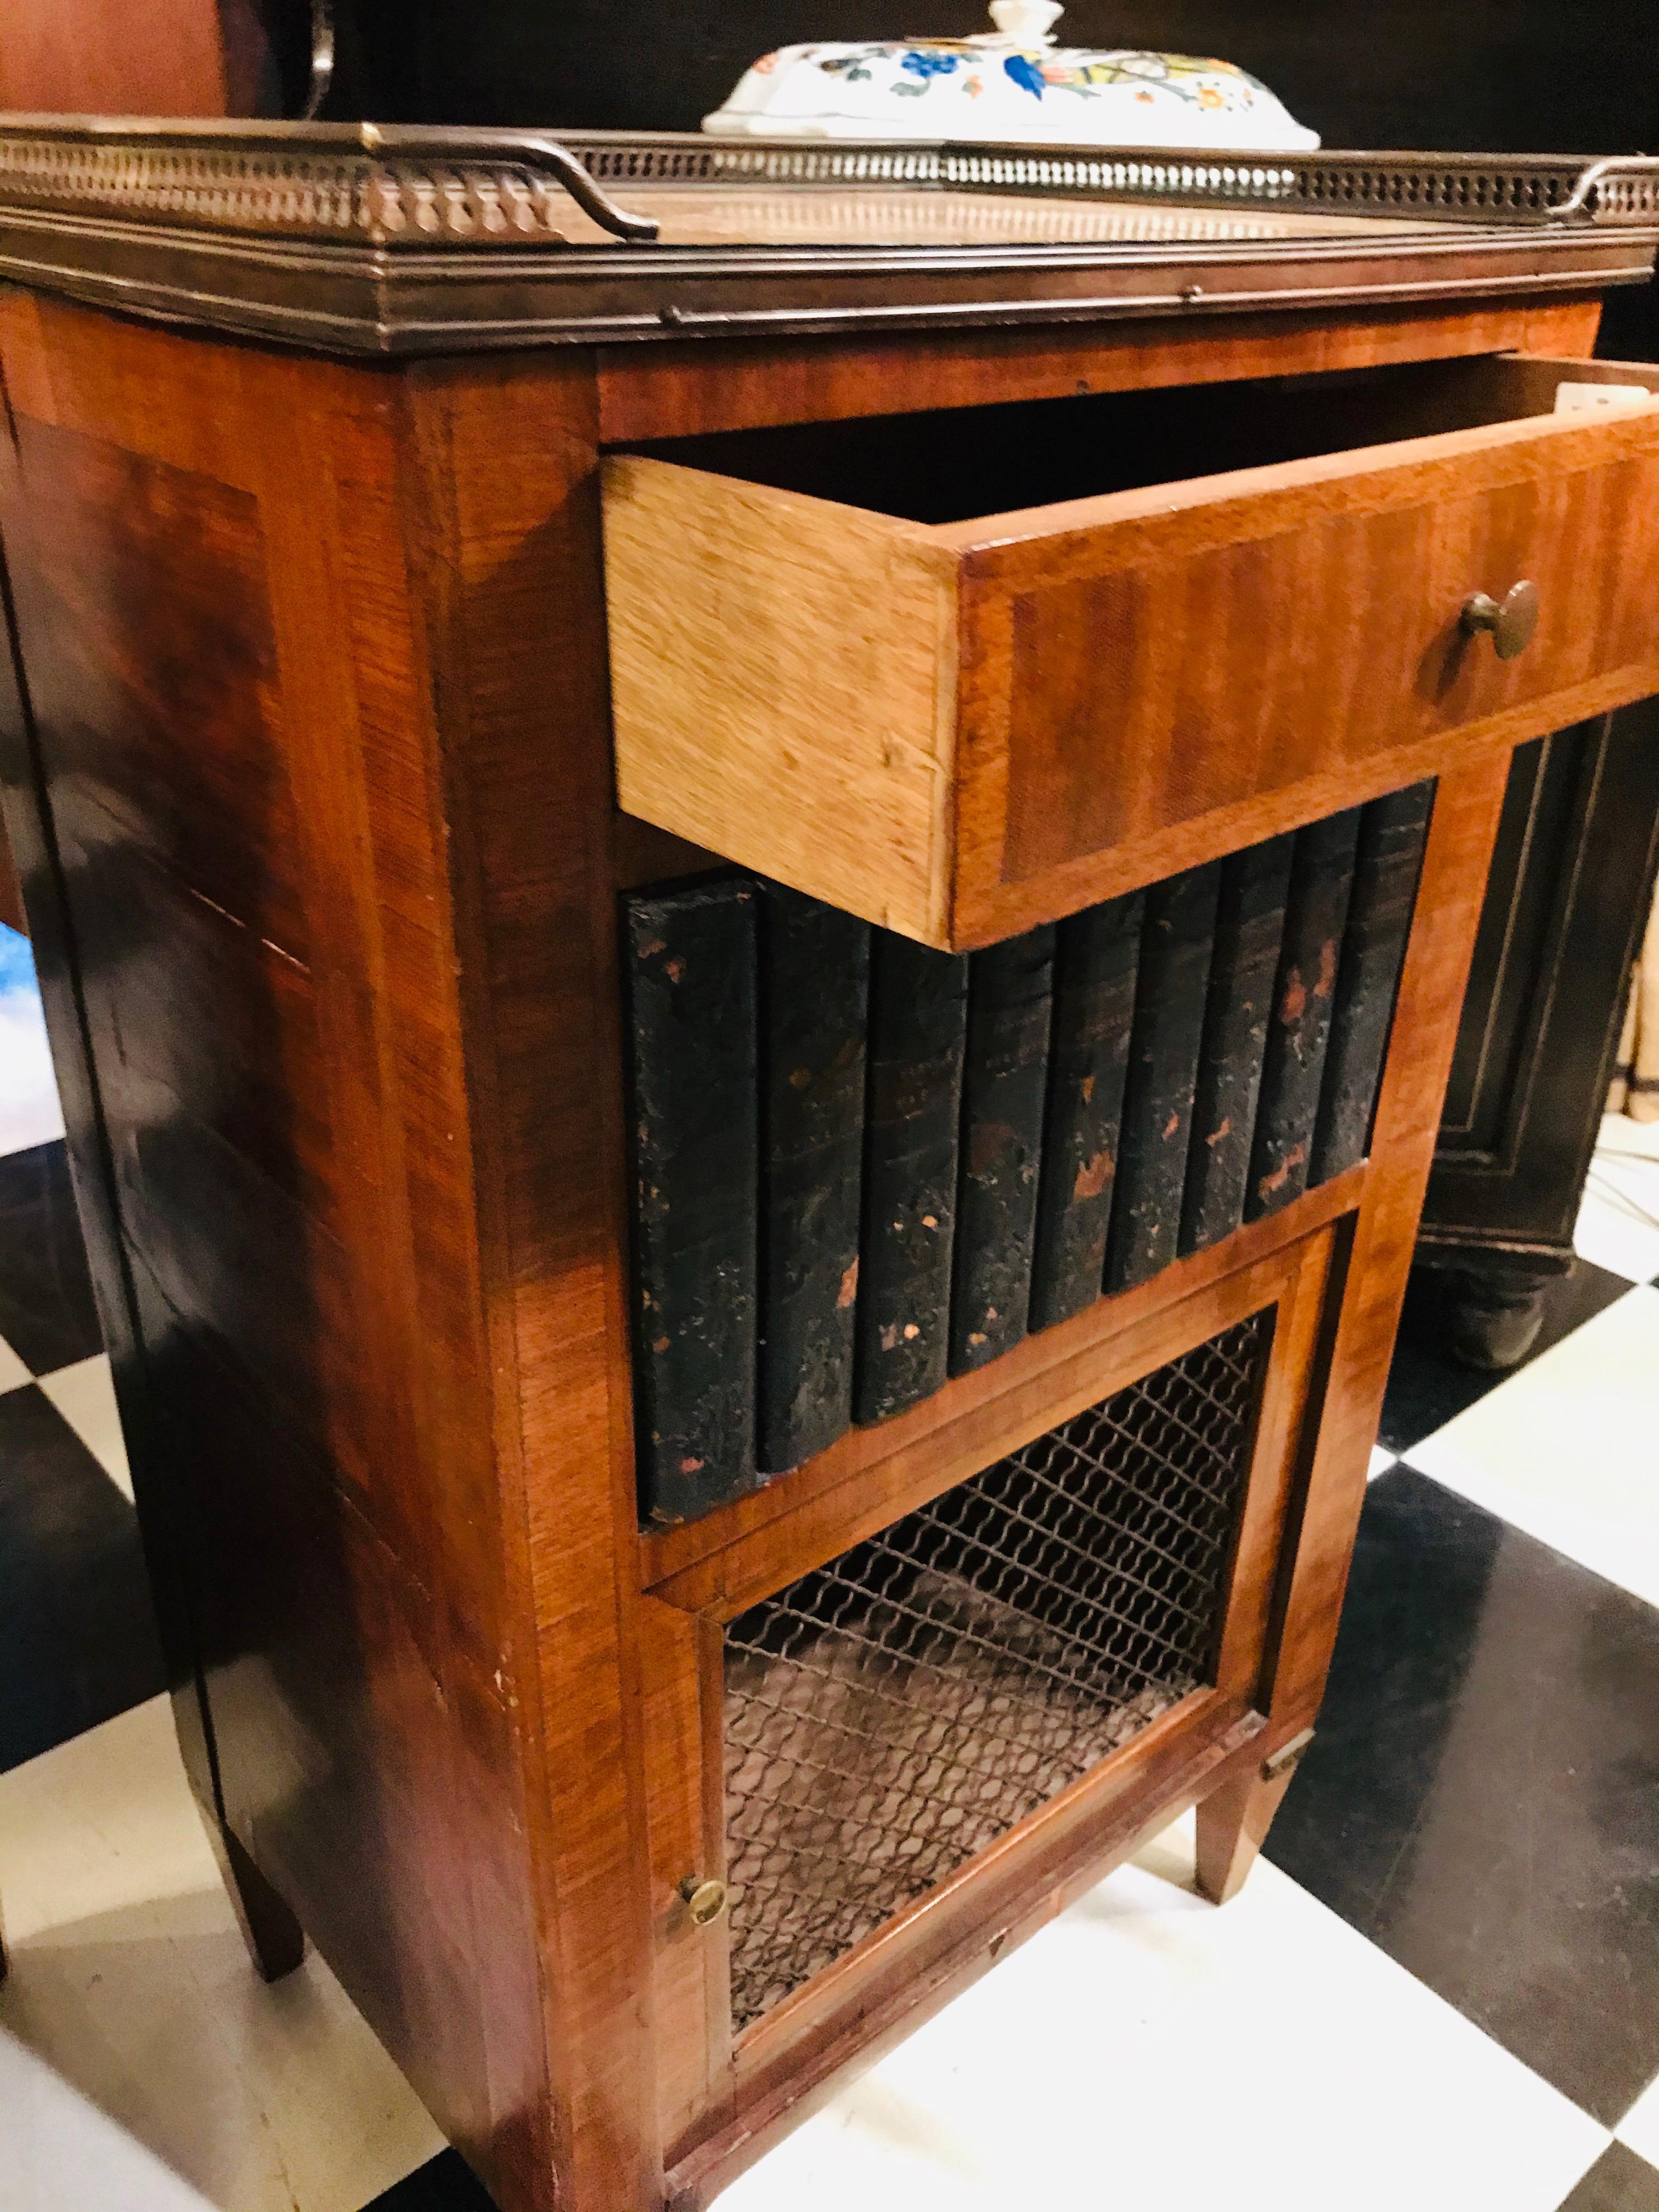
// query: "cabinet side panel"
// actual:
[[236, 740], [32, 849], [507, 492], [11, 892]]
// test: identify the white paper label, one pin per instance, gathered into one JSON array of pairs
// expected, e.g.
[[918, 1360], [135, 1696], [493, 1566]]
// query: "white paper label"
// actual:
[[1586, 398]]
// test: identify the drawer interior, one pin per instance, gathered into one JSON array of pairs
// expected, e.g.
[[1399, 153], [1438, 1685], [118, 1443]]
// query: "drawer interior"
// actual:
[[892, 1714], [953, 465]]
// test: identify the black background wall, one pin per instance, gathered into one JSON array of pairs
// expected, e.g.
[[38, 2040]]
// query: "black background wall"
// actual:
[[1558, 75]]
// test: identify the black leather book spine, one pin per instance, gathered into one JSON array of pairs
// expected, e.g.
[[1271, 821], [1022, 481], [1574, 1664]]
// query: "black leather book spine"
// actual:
[[691, 957], [913, 1113], [814, 1003], [1305, 994], [1004, 1086], [1249, 927], [1393, 832], [1097, 958], [1175, 942]]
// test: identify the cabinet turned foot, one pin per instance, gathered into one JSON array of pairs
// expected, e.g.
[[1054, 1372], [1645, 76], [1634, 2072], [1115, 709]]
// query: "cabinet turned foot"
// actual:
[[1233, 1822], [1495, 1318], [275, 1942]]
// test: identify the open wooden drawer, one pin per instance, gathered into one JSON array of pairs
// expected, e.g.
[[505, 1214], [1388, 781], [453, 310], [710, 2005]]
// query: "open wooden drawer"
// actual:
[[863, 658]]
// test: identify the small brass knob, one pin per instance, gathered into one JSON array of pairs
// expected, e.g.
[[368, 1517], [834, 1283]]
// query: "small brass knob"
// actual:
[[704, 1901], [1511, 620]]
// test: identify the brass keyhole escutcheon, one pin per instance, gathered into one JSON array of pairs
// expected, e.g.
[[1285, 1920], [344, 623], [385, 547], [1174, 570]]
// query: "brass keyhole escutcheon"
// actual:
[[1511, 619], [704, 1901]]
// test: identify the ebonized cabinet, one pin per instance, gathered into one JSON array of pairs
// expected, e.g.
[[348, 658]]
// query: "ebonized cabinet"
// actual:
[[1571, 878]]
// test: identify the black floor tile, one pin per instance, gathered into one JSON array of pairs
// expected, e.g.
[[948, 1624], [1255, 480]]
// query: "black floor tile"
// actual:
[[46, 1311], [1618, 2182], [77, 1639], [1481, 1799], [1427, 1386], [445, 2184]]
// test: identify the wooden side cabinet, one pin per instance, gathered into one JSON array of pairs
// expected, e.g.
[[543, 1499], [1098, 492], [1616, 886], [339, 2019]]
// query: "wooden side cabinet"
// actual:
[[11, 892], [325, 469]]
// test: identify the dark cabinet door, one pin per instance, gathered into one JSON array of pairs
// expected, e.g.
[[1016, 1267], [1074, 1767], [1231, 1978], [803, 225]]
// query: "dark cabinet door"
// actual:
[[1567, 898]]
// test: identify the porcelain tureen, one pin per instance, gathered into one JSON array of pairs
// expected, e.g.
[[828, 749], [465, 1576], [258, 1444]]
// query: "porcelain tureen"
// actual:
[[1006, 85]]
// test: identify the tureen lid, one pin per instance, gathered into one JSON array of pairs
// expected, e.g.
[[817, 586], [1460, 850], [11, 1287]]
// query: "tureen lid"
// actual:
[[1006, 85]]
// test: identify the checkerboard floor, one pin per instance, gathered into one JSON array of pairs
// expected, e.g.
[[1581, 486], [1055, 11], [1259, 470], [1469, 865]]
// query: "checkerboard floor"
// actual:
[[1450, 1948]]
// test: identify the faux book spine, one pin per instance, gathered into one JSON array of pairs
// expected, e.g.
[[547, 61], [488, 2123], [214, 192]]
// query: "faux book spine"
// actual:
[[918, 1029], [1249, 931], [1393, 832], [1005, 1081], [861, 1165], [1157, 1105], [1096, 956], [1315, 916], [814, 992], [691, 989]]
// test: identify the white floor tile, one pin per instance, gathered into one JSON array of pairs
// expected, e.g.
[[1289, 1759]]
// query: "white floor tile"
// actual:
[[1568, 1446], [1640, 2126], [1137, 2053], [1618, 1221], [85, 1395], [62, 2150], [13, 1373], [29, 1112], [1627, 1155], [1381, 1461], [128, 1982], [1638, 1140]]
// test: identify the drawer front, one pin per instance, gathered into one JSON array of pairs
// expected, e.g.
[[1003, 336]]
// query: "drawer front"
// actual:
[[1141, 676], [963, 730]]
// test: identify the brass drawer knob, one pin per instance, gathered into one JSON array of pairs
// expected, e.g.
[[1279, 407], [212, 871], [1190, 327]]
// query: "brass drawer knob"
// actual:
[[1511, 620], [704, 1901]]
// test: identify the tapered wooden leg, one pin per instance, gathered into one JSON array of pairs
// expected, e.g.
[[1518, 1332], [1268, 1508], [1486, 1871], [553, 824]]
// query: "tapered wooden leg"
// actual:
[[1232, 1826], [275, 1942]]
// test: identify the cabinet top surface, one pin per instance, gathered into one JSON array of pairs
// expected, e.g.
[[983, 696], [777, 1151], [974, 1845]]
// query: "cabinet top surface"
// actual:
[[409, 240]]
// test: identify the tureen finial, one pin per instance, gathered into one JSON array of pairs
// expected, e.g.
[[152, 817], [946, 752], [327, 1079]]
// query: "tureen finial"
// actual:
[[1029, 22]]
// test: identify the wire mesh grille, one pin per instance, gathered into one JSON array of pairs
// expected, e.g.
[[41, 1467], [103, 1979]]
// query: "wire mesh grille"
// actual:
[[893, 1712]]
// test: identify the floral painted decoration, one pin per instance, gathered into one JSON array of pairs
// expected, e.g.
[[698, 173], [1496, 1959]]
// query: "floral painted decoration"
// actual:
[[1009, 85]]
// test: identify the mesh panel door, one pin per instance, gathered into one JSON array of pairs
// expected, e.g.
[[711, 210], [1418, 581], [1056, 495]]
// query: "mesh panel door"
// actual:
[[893, 1712]]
